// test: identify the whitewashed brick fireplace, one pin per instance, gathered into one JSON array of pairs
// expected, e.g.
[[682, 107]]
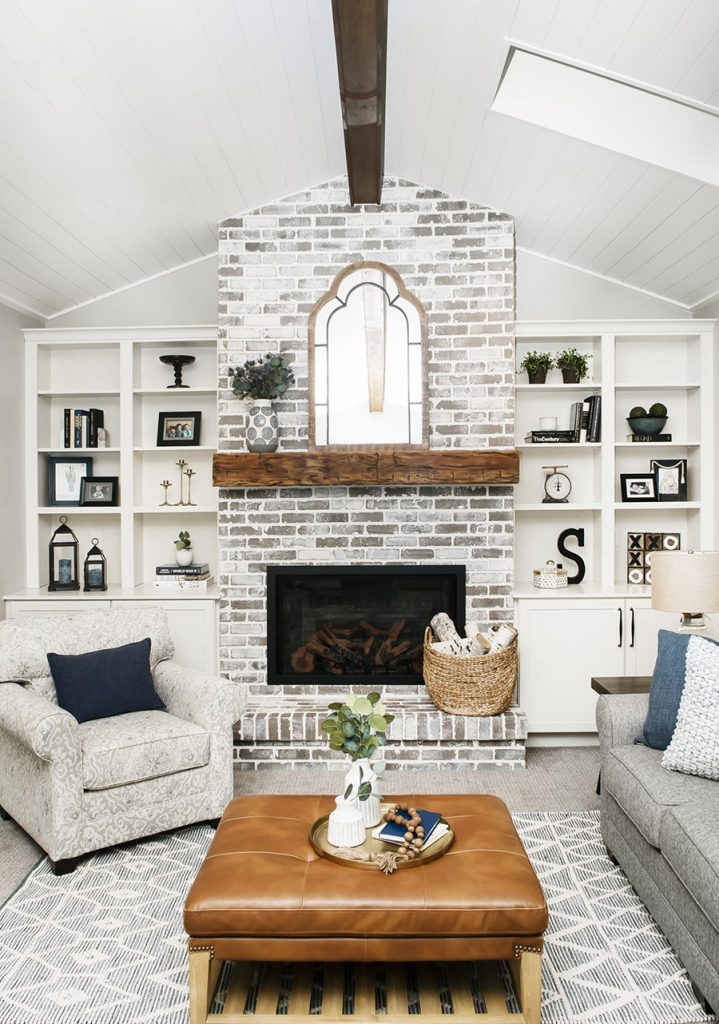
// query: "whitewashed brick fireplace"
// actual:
[[274, 263]]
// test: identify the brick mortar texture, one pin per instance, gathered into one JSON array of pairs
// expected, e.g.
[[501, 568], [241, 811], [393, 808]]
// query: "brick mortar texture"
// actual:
[[274, 263]]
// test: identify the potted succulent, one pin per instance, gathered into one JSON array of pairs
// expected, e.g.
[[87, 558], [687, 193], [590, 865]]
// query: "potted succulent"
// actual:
[[537, 365], [262, 381], [573, 364], [358, 727], [183, 545]]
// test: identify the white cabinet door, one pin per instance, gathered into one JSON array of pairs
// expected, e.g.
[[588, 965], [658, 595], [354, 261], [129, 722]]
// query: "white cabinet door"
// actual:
[[564, 643], [194, 631], [643, 625]]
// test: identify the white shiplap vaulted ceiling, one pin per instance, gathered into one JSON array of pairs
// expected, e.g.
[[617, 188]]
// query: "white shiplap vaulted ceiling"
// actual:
[[130, 127]]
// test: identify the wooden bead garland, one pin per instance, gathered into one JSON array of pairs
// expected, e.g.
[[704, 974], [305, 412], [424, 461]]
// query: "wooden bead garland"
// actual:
[[413, 839]]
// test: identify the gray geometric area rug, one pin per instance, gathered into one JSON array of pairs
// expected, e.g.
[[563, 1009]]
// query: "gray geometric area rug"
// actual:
[[105, 945]]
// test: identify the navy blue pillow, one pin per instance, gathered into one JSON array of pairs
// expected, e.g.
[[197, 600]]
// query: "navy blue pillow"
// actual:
[[666, 691], [101, 684]]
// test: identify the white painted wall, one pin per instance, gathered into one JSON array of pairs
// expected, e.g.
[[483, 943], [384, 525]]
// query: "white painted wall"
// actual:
[[187, 295], [552, 291], [12, 474], [545, 291]]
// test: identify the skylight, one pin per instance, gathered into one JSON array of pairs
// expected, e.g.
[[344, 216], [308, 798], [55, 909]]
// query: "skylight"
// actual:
[[627, 118]]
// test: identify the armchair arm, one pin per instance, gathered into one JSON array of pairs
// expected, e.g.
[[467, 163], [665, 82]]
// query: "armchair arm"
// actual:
[[45, 728], [206, 700], [620, 719]]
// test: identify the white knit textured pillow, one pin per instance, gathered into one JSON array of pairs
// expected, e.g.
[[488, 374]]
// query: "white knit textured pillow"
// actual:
[[694, 747]]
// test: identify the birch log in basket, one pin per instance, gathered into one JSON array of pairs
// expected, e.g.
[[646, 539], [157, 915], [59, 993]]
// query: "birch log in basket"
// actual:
[[479, 686]]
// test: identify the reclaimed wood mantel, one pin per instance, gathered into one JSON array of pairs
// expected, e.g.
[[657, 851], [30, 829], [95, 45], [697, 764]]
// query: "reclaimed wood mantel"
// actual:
[[381, 466]]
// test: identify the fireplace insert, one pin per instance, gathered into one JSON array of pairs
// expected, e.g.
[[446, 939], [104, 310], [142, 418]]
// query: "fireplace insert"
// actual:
[[364, 623]]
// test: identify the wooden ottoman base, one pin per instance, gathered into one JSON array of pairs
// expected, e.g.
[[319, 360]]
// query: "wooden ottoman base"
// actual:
[[472, 992]]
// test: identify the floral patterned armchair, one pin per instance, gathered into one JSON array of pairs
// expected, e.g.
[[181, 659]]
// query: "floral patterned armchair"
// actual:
[[80, 787]]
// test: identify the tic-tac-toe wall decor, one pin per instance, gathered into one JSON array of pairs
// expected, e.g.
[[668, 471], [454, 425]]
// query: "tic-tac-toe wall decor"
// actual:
[[640, 549]]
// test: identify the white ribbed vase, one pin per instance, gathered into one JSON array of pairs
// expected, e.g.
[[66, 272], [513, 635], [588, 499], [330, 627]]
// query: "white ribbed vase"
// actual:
[[371, 806], [345, 826]]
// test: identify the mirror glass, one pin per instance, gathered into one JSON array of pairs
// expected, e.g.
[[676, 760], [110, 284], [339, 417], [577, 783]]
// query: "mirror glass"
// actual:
[[367, 362]]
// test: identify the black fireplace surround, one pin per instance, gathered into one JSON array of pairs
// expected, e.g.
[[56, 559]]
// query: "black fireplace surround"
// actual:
[[363, 624]]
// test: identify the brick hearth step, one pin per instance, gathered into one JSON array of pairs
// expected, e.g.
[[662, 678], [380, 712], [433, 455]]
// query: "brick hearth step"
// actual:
[[283, 730]]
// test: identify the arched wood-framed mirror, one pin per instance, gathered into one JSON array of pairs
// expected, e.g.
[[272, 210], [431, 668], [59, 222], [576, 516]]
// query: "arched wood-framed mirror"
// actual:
[[368, 363]]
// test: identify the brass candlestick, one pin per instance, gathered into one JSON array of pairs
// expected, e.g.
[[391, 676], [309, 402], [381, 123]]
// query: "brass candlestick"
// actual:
[[189, 473], [181, 463], [166, 484]]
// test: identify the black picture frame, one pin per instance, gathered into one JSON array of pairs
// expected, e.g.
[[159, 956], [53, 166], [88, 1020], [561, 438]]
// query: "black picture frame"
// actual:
[[99, 491], [76, 468], [638, 487], [670, 479], [189, 422]]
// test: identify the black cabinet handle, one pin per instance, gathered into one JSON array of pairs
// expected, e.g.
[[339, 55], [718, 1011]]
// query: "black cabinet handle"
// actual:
[[631, 630], [621, 627]]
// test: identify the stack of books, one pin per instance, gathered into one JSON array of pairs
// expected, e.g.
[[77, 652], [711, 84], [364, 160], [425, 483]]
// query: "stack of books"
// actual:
[[585, 425], [663, 438], [188, 578], [81, 427]]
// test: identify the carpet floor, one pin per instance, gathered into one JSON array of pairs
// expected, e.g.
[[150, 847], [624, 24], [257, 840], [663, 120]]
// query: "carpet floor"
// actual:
[[105, 945], [555, 779]]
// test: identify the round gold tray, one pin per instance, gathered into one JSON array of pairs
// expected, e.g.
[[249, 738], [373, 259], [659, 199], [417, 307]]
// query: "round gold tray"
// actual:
[[318, 838]]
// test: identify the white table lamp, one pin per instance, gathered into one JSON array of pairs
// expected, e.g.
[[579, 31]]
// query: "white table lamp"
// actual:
[[686, 582]]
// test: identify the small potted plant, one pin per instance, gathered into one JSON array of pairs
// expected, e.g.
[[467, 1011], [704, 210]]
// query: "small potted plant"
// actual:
[[262, 381], [573, 364], [358, 727], [537, 365], [183, 545]]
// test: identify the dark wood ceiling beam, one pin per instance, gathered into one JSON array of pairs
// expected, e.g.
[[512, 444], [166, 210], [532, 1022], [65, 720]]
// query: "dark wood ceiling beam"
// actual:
[[361, 44]]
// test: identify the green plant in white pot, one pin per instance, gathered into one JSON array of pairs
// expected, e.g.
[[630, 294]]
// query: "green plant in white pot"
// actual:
[[262, 381], [183, 548], [358, 727]]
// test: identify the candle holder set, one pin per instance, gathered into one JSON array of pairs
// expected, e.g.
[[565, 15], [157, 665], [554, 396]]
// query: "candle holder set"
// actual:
[[185, 471]]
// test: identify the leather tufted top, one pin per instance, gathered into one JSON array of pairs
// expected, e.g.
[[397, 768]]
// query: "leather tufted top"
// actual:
[[261, 877]]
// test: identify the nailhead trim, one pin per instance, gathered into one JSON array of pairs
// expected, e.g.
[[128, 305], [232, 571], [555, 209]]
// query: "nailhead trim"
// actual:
[[518, 950], [204, 949]]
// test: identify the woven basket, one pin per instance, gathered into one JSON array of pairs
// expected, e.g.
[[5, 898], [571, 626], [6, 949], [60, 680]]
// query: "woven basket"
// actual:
[[470, 686]]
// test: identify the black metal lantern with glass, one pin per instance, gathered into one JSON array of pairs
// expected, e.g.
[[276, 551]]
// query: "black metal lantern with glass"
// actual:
[[95, 568], [63, 551]]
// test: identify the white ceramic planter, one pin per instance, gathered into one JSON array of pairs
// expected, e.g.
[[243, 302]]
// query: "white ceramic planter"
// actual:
[[345, 826], [370, 808], [184, 556]]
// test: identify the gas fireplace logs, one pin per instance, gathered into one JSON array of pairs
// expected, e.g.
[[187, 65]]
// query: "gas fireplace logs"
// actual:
[[363, 649]]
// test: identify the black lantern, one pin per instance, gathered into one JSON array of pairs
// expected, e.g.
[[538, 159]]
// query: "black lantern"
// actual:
[[63, 573], [95, 569]]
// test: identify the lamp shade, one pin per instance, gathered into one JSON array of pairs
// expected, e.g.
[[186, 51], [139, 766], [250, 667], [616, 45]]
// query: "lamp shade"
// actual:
[[685, 581]]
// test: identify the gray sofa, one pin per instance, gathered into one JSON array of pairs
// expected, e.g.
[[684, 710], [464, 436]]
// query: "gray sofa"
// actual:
[[663, 829]]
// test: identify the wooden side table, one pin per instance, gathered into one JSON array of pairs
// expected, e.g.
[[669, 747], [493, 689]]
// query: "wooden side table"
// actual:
[[621, 684]]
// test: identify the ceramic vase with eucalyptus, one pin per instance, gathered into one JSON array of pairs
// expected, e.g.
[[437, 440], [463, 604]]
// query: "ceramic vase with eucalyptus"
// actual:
[[262, 431], [345, 826], [361, 771]]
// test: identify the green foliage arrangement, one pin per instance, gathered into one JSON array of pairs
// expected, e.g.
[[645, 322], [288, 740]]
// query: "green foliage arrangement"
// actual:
[[358, 727], [533, 362], [183, 541], [571, 359], [267, 378]]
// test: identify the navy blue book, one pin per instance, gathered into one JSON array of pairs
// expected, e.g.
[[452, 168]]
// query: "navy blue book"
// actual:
[[394, 833]]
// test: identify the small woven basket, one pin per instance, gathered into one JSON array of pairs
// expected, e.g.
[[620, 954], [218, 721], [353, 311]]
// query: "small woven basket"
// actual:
[[470, 686]]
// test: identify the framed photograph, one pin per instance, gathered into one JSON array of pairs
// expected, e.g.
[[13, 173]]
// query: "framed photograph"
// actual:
[[178, 428], [638, 487], [670, 479], [64, 476], [99, 490]]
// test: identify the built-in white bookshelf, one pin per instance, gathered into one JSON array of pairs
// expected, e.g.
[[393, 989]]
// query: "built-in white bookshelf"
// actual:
[[632, 362], [119, 371]]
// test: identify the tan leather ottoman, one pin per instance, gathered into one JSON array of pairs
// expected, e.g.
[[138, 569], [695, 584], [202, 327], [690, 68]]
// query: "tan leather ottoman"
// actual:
[[263, 894]]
